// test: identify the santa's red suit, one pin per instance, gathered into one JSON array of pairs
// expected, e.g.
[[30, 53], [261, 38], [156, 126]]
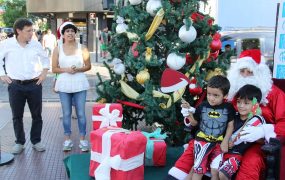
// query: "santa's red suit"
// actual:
[[272, 105]]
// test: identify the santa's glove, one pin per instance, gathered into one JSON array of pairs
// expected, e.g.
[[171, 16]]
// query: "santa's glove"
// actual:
[[186, 111], [253, 133]]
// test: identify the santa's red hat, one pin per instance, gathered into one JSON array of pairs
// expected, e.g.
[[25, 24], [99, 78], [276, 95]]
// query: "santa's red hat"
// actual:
[[250, 59], [172, 80]]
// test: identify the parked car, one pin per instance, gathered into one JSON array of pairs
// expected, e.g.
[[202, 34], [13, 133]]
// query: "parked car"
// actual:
[[258, 38], [8, 31]]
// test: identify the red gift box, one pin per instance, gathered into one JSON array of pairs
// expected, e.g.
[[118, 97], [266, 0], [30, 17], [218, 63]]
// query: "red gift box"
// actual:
[[159, 153], [117, 154], [105, 115]]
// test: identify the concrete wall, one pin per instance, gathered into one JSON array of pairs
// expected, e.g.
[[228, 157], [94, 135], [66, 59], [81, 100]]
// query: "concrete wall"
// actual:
[[51, 6]]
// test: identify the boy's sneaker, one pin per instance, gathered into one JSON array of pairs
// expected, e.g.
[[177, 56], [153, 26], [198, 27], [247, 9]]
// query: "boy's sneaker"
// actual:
[[39, 147], [17, 148], [67, 145], [84, 145]]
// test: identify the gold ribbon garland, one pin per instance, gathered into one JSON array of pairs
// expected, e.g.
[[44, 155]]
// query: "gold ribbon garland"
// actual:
[[132, 94], [155, 23]]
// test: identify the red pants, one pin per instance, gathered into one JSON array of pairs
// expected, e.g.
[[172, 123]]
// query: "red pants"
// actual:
[[251, 166]]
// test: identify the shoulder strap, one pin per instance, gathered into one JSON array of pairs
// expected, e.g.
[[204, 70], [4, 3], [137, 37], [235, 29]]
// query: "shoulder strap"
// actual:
[[260, 118]]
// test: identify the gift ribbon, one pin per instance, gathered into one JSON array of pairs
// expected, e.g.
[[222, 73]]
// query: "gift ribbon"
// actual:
[[150, 143], [103, 171], [107, 118]]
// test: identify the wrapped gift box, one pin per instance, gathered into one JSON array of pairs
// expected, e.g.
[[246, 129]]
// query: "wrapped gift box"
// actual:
[[105, 115], [159, 153], [117, 154], [155, 154]]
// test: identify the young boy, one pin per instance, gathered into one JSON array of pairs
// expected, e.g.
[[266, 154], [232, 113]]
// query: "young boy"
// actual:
[[248, 97], [215, 120]]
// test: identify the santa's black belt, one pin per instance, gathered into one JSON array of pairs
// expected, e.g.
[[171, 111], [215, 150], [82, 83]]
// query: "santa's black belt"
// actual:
[[24, 82]]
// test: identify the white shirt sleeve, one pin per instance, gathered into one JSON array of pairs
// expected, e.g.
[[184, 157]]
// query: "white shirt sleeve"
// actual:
[[2, 56], [43, 56]]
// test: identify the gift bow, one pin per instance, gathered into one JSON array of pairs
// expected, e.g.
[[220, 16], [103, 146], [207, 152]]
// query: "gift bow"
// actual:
[[103, 171], [150, 143], [107, 118]]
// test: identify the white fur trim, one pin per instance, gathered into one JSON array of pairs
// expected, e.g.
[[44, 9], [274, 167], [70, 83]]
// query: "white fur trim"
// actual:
[[261, 78], [269, 131], [177, 173], [192, 86], [246, 62], [185, 122], [175, 87]]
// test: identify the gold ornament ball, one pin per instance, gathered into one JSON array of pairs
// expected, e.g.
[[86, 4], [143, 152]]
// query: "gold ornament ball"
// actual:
[[211, 73], [102, 101], [142, 76]]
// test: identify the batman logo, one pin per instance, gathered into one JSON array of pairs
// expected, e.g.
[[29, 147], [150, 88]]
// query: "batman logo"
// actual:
[[214, 114]]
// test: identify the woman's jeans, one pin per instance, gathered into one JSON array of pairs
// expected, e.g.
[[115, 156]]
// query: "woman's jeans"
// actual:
[[79, 99]]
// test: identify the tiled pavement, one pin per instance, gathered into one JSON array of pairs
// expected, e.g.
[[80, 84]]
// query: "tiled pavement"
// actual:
[[48, 165]]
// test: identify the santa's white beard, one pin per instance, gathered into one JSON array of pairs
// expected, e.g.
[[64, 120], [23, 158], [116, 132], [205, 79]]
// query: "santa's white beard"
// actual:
[[239, 81]]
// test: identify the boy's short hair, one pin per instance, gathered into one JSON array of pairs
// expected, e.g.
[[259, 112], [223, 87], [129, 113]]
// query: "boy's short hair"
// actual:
[[220, 82], [249, 92], [20, 24]]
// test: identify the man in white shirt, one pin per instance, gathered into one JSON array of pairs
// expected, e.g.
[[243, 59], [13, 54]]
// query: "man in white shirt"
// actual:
[[26, 66], [49, 42]]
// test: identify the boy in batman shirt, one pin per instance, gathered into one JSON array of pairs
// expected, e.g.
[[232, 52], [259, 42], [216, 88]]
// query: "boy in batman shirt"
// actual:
[[214, 119]]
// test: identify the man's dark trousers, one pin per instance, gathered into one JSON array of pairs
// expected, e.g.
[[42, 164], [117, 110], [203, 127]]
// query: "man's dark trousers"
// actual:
[[21, 92]]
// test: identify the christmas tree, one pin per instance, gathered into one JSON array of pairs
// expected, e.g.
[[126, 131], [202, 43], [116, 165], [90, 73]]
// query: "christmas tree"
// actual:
[[149, 37]]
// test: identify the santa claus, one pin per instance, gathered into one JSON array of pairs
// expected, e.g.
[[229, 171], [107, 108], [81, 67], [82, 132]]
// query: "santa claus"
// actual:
[[250, 68]]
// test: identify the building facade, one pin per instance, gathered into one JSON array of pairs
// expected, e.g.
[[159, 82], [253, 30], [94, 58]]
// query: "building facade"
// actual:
[[90, 16]]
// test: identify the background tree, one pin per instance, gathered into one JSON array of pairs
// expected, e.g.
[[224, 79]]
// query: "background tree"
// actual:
[[13, 10], [148, 37]]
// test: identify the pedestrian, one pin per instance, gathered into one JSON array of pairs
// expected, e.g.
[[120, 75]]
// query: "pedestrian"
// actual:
[[214, 119], [70, 60], [26, 66], [104, 39], [49, 42]]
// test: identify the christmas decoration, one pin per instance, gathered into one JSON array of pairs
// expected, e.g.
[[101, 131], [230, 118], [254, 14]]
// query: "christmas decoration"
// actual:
[[121, 26], [152, 6], [134, 51], [119, 67], [112, 157], [135, 2], [175, 61], [105, 115], [148, 54], [187, 34], [142, 76], [194, 88], [153, 43], [173, 80], [215, 72], [155, 154], [155, 23], [216, 44], [197, 16]]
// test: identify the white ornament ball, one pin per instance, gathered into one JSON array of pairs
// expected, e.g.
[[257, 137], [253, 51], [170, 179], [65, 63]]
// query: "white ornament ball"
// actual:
[[121, 28], [187, 36], [119, 69], [152, 6], [135, 2], [175, 61]]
